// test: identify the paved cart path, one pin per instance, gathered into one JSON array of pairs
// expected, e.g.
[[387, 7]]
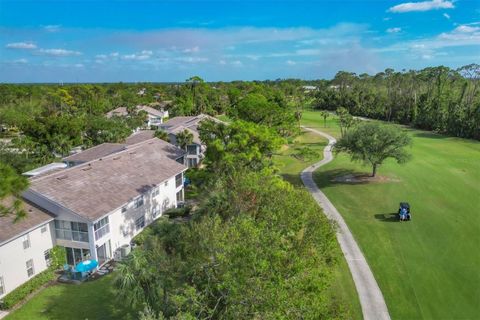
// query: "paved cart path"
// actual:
[[371, 298]]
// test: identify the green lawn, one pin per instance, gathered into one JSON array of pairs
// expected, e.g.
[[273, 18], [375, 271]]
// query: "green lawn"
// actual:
[[90, 300], [224, 118], [427, 268], [290, 168]]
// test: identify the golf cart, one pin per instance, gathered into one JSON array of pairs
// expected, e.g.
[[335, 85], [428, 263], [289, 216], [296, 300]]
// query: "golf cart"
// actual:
[[404, 212]]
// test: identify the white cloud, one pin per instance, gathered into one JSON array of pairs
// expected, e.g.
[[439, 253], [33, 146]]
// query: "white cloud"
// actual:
[[59, 52], [466, 29], [462, 35], [291, 63], [20, 61], [446, 15], [135, 57], [222, 62], [78, 65], [431, 48], [101, 56], [21, 45], [422, 6], [114, 54], [52, 27], [139, 56], [191, 59], [237, 63], [394, 30], [192, 50]]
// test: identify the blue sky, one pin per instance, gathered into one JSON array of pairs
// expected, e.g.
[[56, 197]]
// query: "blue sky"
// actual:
[[110, 41]]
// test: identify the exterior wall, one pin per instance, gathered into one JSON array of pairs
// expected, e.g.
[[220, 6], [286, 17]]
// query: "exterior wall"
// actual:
[[62, 213], [13, 257], [198, 155], [122, 224]]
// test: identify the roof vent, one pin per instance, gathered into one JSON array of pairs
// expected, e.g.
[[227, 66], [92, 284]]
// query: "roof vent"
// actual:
[[87, 168], [116, 158], [62, 177], [133, 152]]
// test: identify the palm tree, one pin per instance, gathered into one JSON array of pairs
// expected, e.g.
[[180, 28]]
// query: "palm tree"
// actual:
[[162, 135], [184, 138], [325, 114], [194, 81]]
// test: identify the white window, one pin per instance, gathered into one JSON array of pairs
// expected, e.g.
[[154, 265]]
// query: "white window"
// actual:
[[140, 222], [166, 182], [30, 269], [155, 211], [178, 180], [26, 241], [124, 209], [101, 228], [69, 230], [156, 192], [43, 229], [48, 259], [138, 202], [2, 286]]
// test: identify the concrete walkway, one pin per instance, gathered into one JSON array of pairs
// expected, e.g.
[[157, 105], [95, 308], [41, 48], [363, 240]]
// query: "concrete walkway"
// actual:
[[371, 298], [3, 314]]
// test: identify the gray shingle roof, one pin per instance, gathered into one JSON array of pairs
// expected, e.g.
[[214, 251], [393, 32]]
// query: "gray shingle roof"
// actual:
[[96, 152], [140, 136], [122, 111], [10, 229], [177, 124], [98, 187]]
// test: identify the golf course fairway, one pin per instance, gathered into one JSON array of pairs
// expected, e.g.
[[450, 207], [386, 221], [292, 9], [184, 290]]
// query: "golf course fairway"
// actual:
[[427, 268]]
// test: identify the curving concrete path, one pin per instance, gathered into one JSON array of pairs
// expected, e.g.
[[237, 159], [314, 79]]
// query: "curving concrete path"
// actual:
[[371, 298]]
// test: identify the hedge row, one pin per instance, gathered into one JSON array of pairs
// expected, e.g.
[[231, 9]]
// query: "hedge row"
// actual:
[[58, 259], [20, 293]]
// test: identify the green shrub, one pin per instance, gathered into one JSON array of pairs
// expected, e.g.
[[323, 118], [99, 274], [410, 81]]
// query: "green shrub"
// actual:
[[20, 293], [58, 257], [178, 212], [140, 238]]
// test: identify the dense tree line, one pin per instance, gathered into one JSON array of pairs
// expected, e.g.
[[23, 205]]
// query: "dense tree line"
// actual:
[[435, 98], [255, 248], [47, 121]]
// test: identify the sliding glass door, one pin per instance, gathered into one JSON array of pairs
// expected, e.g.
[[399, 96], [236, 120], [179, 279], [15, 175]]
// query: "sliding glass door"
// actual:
[[104, 253], [76, 255]]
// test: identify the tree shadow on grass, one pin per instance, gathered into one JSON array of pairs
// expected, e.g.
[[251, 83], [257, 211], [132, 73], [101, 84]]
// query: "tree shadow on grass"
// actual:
[[329, 178], [387, 217], [430, 135], [294, 179], [316, 144]]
